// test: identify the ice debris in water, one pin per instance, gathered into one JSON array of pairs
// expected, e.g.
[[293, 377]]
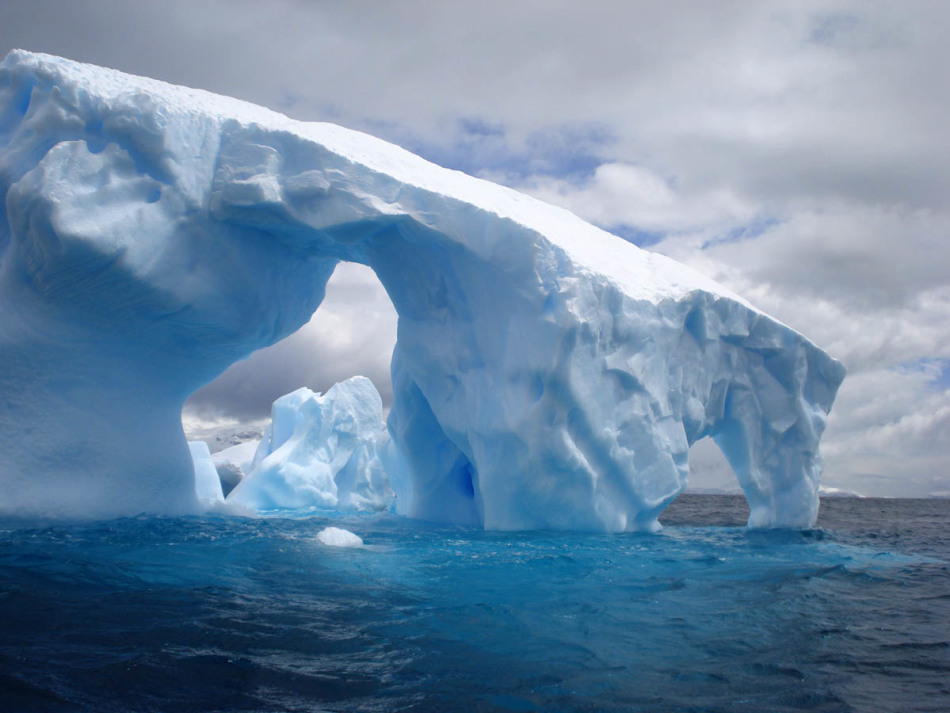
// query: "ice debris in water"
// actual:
[[547, 374], [338, 537]]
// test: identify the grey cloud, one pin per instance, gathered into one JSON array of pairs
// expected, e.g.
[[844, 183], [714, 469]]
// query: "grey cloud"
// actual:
[[732, 93], [866, 257], [353, 332]]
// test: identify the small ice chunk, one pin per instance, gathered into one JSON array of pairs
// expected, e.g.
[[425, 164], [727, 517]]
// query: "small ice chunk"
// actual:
[[338, 537]]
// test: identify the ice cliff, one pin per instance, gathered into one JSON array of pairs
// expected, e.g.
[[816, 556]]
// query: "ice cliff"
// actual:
[[547, 374]]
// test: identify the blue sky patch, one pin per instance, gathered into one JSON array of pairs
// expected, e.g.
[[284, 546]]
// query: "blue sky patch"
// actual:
[[480, 127], [937, 371], [639, 237], [754, 229], [481, 147], [830, 29], [942, 380]]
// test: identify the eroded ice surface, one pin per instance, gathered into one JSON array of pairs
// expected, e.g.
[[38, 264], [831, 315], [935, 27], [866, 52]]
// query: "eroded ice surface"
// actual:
[[207, 482], [320, 451], [547, 374]]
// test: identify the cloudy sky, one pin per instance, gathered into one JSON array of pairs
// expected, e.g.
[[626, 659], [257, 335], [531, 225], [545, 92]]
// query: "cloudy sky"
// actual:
[[796, 151]]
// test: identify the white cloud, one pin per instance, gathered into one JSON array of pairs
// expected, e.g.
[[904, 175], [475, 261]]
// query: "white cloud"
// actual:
[[865, 256], [623, 194], [890, 434], [353, 332]]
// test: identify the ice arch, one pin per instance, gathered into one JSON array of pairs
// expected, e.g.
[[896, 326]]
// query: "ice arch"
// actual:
[[546, 374], [352, 333]]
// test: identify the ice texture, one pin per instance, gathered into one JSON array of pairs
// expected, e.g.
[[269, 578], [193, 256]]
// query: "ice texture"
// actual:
[[547, 374], [321, 452], [338, 537], [207, 482]]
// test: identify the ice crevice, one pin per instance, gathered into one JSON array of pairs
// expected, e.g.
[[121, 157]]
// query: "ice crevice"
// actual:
[[546, 374]]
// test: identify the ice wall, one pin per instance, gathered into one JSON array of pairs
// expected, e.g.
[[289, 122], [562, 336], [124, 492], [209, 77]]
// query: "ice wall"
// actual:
[[207, 481], [547, 374]]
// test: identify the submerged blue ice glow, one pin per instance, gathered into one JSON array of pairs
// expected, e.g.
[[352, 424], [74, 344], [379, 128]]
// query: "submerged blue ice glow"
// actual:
[[203, 614]]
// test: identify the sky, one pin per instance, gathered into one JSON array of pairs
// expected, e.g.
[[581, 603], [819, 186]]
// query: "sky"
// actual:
[[796, 151]]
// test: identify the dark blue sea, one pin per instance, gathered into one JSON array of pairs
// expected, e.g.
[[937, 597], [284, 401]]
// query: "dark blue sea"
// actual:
[[231, 614]]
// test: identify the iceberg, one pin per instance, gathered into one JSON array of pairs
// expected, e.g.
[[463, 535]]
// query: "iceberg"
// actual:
[[547, 374], [321, 452]]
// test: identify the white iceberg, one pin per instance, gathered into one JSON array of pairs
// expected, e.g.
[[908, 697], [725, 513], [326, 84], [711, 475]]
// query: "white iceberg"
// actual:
[[320, 451], [547, 374]]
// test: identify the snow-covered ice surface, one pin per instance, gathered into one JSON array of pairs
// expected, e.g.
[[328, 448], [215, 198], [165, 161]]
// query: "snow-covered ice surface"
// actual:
[[547, 374], [338, 537]]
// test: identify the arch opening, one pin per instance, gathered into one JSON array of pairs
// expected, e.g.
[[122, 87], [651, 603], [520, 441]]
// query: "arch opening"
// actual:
[[713, 496], [710, 471], [351, 333]]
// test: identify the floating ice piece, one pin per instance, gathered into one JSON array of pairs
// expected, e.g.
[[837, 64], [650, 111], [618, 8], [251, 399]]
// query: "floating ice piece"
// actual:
[[321, 452], [338, 537], [547, 374]]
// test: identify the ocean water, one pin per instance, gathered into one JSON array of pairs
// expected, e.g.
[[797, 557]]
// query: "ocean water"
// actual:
[[230, 614]]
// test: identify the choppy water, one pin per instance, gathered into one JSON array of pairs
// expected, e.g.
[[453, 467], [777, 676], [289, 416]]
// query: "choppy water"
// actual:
[[212, 614]]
